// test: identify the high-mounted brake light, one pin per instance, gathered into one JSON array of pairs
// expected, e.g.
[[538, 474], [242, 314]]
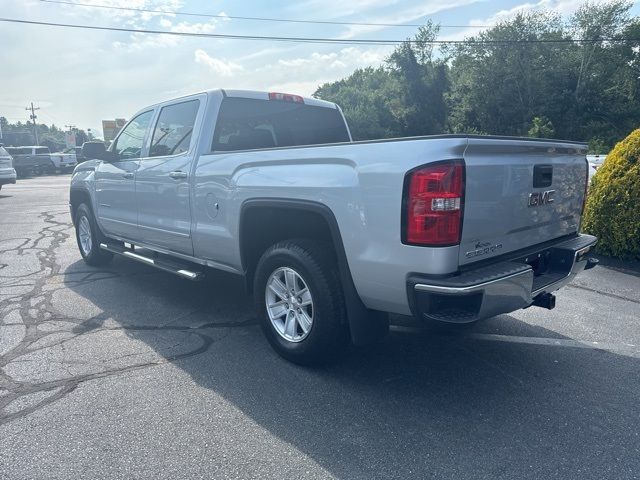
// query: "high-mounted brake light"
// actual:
[[434, 197], [285, 97]]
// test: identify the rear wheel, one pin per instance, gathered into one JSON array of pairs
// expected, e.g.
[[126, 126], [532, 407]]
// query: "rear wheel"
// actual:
[[300, 302], [88, 236]]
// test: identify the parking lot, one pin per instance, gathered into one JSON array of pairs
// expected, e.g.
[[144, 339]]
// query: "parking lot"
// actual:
[[129, 372]]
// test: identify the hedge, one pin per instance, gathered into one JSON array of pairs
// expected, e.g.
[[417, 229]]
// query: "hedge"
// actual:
[[612, 211]]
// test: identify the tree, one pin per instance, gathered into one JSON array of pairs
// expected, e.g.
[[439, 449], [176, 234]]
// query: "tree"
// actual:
[[586, 88], [541, 127], [404, 97]]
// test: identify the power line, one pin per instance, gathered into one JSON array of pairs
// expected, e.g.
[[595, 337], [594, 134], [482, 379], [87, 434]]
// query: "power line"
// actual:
[[258, 19], [321, 40]]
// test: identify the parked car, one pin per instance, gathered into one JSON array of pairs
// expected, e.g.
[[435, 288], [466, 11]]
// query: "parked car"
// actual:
[[595, 162], [64, 161], [329, 234], [31, 160], [7, 172]]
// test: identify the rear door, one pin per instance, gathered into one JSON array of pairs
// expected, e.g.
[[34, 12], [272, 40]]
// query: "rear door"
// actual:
[[115, 180], [163, 183], [42, 157], [519, 193]]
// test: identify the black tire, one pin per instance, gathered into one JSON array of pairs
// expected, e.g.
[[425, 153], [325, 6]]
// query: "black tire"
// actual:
[[94, 255], [328, 337]]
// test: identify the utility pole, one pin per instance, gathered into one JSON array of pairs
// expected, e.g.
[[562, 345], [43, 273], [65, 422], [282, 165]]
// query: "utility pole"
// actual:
[[71, 128], [33, 119]]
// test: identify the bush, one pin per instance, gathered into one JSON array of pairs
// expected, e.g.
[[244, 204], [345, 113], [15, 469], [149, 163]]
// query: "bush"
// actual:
[[613, 206]]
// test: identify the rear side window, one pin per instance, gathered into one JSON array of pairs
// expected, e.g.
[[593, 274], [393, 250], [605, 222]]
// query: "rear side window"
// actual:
[[3, 152], [42, 150], [246, 124], [174, 129]]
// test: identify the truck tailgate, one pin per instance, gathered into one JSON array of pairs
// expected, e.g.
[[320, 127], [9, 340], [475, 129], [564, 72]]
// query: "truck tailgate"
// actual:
[[519, 193]]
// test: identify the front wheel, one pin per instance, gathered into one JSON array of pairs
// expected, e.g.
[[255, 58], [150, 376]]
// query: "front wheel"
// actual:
[[300, 302], [88, 236]]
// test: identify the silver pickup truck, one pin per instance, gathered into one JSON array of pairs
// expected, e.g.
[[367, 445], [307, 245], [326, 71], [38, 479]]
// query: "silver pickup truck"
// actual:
[[331, 234]]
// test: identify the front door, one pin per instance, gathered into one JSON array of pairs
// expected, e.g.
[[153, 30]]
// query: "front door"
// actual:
[[163, 183], [115, 180]]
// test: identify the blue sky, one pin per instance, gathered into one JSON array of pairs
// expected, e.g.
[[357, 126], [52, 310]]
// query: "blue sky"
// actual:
[[80, 77]]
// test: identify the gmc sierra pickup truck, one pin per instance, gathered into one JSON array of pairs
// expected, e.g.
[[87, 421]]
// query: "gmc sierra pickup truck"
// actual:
[[331, 234]]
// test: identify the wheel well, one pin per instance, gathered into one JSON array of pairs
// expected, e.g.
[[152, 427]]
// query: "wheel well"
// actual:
[[264, 225], [76, 198]]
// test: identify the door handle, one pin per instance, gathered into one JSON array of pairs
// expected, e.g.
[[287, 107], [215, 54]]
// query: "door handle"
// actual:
[[178, 175], [128, 175]]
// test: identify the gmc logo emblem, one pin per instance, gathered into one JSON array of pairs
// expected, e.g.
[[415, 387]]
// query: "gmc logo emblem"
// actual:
[[537, 199]]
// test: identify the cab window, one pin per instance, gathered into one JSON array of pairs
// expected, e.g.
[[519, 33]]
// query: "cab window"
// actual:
[[130, 141], [247, 124], [172, 134]]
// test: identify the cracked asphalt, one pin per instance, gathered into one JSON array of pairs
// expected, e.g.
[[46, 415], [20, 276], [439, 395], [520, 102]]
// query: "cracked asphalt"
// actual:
[[128, 372]]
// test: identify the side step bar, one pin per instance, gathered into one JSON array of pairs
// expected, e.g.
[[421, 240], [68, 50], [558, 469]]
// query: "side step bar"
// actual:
[[181, 269]]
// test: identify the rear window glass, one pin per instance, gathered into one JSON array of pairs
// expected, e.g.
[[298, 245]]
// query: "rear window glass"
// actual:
[[246, 124], [41, 150]]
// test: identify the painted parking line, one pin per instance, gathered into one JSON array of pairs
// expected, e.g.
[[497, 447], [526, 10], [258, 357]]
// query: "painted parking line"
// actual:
[[543, 341]]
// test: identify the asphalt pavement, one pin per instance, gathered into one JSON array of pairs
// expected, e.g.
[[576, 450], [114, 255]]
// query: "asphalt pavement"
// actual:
[[128, 372]]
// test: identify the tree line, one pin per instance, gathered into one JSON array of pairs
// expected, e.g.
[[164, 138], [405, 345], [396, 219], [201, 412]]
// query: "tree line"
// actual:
[[534, 74], [20, 134]]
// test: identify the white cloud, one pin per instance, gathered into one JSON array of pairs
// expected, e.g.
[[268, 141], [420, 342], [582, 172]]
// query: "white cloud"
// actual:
[[222, 67], [186, 27], [562, 7], [412, 14], [141, 41], [341, 8]]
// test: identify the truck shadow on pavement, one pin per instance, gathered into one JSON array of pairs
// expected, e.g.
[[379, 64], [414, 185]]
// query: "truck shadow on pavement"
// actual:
[[415, 406]]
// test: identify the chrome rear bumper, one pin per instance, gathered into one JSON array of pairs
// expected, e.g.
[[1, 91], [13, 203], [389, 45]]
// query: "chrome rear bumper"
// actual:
[[501, 287]]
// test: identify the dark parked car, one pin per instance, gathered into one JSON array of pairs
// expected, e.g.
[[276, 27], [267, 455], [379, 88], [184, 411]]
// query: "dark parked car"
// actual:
[[79, 157], [33, 160]]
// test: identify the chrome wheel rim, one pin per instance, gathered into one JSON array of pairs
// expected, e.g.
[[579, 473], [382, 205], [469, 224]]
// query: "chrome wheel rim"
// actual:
[[84, 234], [289, 304]]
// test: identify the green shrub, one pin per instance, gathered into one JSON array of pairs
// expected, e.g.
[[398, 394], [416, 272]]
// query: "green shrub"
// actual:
[[612, 212]]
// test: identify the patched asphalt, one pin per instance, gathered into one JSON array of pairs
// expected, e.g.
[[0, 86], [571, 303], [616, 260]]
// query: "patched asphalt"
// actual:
[[128, 372]]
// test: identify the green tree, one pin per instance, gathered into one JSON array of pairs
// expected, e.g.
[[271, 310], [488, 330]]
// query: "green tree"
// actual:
[[541, 127], [404, 97]]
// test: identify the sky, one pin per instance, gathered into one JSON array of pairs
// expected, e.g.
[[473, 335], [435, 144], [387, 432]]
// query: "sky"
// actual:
[[79, 77]]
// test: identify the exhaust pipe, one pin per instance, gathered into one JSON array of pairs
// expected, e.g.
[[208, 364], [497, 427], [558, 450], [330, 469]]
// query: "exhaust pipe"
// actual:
[[545, 300]]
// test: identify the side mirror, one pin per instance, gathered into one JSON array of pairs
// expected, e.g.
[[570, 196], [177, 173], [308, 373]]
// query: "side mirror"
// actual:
[[97, 150]]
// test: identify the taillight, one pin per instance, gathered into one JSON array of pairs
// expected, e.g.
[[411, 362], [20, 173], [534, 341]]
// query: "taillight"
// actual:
[[285, 97], [434, 197]]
